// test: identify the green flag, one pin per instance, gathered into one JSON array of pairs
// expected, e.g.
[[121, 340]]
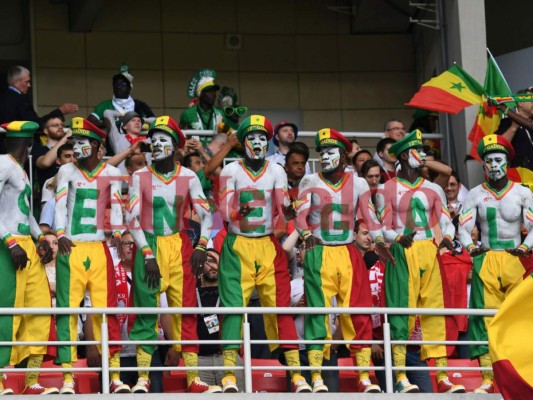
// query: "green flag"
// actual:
[[495, 83]]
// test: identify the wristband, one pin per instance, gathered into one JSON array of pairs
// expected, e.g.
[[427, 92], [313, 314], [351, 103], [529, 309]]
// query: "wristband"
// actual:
[[147, 252], [202, 242], [380, 240], [9, 241], [524, 247]]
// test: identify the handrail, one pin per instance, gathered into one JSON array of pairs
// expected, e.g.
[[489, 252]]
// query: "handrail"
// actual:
[[246, 341], [350, 134]]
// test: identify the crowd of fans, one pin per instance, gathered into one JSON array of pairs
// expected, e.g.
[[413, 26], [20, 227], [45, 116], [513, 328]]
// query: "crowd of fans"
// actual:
[[126, 120]]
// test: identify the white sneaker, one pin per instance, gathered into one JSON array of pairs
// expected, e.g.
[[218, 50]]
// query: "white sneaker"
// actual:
[[67, 388]]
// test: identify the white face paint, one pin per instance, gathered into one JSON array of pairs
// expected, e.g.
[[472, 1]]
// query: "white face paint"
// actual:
[[256, 145], [416, 157], [82, 147], [162, 146], [495, 165], [329, 158]]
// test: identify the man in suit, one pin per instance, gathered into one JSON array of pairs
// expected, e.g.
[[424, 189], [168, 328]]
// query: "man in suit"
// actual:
[[15, 104]]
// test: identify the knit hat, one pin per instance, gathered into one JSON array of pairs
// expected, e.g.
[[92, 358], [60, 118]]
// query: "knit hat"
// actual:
[[330, 137], [83, 128], [254, 123], [493, 143], [168, 125], [411, 140], [20, 129], [280, 125], [203, 79]]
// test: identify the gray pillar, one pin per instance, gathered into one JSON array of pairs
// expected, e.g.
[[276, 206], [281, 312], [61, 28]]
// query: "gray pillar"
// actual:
[[466, 44]]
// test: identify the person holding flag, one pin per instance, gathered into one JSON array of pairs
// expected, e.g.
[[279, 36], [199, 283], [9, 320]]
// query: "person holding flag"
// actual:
[[500, 262]]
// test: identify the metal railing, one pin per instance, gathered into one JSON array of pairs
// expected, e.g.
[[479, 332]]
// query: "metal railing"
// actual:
[[246, 340], [309, 134]]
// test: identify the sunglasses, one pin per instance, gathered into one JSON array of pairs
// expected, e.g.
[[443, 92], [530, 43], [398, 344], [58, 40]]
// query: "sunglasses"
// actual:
[[240, 111]]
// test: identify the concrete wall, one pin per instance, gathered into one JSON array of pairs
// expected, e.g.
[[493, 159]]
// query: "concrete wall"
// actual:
[[463, 24], [296, 56]]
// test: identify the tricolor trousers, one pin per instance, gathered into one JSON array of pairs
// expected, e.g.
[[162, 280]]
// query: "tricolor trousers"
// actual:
[[248, 263], [23, 288], [338, 271], [418, 280], [173, 254], [88, 266], [495, 275]]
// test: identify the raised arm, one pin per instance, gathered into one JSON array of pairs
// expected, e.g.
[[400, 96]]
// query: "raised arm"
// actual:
[[213, 167]]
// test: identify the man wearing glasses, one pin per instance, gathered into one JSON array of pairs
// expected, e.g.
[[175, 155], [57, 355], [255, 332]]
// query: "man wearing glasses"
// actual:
[[394, 129]]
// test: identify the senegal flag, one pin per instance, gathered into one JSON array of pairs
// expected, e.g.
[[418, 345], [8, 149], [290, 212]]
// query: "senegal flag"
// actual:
[[511, 350], [450, 92], [488, 116]]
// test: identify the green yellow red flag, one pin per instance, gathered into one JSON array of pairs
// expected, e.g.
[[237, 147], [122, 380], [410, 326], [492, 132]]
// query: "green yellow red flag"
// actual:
[[488, 116], [510, 346], [450, 92]]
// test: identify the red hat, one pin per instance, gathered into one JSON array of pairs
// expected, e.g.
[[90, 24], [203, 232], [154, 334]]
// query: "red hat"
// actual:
[[83, 128], [168, 125], [280, 125], [493, 143], [330, 137]]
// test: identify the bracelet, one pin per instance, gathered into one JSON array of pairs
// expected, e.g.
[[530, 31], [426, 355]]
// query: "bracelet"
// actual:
[[147, 252], [9, 241], [524, 247], [306, 235]]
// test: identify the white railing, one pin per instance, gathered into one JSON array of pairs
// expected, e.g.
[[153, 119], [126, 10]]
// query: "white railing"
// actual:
[[351, 134], [246, 341]]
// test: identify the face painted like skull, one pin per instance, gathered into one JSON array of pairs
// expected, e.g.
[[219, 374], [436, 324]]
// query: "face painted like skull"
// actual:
[[329, 158], [82, 147], [495, 165], [162, 146], [256, 145]]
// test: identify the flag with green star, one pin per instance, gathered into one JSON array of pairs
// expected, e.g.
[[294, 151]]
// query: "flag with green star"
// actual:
[[450, 92]]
